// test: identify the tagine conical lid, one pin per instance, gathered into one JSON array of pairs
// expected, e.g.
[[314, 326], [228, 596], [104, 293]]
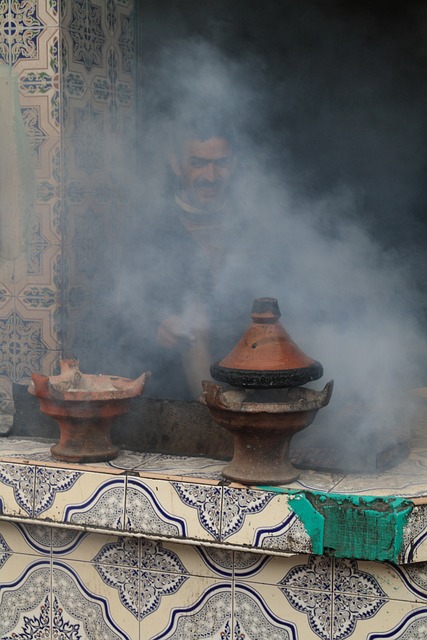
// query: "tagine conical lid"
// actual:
[[266, 356]]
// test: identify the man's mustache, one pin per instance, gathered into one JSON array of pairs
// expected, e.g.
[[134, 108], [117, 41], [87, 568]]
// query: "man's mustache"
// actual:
[[203, 183]]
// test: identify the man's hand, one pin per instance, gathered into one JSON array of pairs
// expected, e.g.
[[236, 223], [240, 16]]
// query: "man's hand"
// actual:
[[172, 333]]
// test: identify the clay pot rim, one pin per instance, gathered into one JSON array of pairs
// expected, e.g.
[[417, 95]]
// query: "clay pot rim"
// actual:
[[267, 379]]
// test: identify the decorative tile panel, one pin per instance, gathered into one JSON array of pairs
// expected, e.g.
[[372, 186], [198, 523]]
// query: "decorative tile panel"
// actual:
[[30, 613], [87, 499], [56, 50], [86, 606], [248, 514], [150, 509], [205, 609], [254, 618], [206, 501]]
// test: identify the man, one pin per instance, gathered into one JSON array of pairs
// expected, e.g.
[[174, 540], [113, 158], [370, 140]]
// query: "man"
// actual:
[[193, 240]]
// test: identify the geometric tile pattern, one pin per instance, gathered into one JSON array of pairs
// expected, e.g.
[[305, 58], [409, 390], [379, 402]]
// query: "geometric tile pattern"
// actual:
[[68, 65], [165, 496], [122, 587], [119, 567], [307, 588]]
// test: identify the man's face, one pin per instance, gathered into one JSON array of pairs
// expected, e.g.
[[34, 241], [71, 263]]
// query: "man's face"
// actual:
[[204, 169]]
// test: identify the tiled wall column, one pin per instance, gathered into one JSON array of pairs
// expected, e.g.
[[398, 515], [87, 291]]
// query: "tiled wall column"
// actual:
[[71, 61]]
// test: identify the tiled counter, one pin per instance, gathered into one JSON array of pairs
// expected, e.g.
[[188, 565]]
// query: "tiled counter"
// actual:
[[154, 546]]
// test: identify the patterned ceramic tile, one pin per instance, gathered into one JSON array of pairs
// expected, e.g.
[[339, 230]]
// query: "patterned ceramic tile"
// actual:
[[27, 539], [262, 612], [150, 508], [395, 620], [36, 306], [110, 89], [17, 485], [267, 569], [28, 345], [31, 47], [74, 497], [7, 408], [415, 536], [181, 466], [85, 140], [34, 13], [28, 614], [198, 608], [91, 604], [39, 89], [318, 480], [406, 582], [208, 562], [251, 517], [87, 36]]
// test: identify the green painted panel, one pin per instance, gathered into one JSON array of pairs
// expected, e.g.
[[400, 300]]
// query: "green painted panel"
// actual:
[[349, 526]]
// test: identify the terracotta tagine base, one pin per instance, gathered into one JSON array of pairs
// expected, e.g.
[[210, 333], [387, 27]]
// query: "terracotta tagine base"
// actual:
[[262, 427], [85, 407]]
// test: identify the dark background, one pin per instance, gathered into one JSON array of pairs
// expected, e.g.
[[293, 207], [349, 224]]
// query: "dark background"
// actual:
[[340, 93]]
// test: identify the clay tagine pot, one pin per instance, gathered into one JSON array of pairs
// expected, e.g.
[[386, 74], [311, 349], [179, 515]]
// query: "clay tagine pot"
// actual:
[[84, 406], [269, 407], [262, 426], [266, 357]]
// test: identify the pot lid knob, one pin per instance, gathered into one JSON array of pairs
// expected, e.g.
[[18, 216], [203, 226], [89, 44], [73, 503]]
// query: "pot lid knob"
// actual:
[[266, 356]]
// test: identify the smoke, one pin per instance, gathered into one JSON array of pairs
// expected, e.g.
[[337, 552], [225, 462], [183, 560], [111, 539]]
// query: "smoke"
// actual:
[[328, 189]]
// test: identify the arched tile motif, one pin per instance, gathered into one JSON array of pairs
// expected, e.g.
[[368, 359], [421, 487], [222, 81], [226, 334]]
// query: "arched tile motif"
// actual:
[[280, 536], [49, 482], [21, 479], [412, 627], [92, 613], [206, 499], [38, 537], [211, 617], [255, 621], [104, 508], [77, 613], [414, 577], [237, 505], [145, 513], [220, 561], [208, 617]]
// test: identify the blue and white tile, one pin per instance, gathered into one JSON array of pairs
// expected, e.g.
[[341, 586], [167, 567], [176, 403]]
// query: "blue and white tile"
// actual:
[[29, 539], [25, 597], [247, 515], [399, 582], [199, 606], [262, 612], [296, 571], [396, 620], [81, 597], [79, 497], [414, 548], [17, 489], [207, 562], [158, 507]]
